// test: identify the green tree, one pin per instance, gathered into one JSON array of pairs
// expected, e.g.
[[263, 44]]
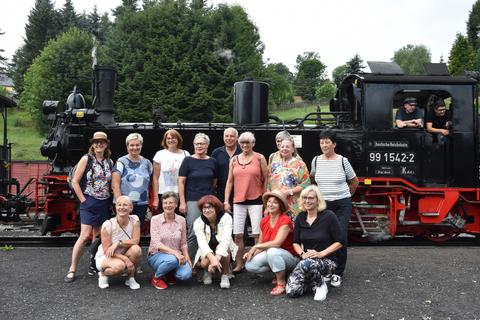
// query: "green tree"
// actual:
[[63, 63], [310, 74], [68, 17], [42, 26], [182, 57], [326, 90], [473, 25], [339, 73], [355, 65], [412, 58], [462, 56], [3, 59], [280, 81]]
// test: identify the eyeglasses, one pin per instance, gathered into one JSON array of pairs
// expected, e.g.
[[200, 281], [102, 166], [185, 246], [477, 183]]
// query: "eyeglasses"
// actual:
[[245, 142], [208, 207], [99, 142], [200, 144], [309, 198]]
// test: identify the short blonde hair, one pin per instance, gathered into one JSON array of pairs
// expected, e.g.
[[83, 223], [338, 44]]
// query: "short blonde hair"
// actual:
[[125, 198], [321, 205], [134, 136], [203, 136]]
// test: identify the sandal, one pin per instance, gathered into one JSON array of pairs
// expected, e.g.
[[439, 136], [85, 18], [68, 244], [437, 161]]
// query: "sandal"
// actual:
[[68, 279], [278, 290]]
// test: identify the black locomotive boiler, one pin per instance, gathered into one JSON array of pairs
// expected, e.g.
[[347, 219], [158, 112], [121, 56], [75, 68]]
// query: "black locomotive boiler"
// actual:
[[410, 182]]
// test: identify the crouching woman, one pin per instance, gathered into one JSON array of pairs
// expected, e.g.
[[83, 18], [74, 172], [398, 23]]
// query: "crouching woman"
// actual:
[[316, 237], [119, 251], [274, 251], [168, 251], [213, 230]]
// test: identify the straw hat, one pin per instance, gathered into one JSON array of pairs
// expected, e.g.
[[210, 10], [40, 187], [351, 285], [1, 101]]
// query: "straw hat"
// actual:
[[277, 194], [99, 135]]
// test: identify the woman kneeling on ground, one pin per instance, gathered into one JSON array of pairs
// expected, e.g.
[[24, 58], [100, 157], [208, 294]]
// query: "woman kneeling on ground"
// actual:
[[274, 250], [119, 250], [213, 230], [317, 236], [168, 251]]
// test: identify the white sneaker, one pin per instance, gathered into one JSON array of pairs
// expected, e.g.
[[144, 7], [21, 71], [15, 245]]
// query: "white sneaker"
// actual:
[[321, 292], [102, 281], [207, 277], [130, 282], [336, 281], [224, 282], [139, 270]]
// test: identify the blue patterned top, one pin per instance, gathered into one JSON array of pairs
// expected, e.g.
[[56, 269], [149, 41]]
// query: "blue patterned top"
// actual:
[[135, 178]]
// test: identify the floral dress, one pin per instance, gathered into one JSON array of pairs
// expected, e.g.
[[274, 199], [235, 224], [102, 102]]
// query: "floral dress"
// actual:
[[287, 176]]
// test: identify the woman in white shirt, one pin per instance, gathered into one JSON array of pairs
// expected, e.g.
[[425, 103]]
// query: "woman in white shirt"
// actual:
[[166, 163]]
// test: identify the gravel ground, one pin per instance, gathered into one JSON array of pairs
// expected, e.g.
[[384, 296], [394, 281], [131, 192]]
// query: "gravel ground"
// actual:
[[381, 283]]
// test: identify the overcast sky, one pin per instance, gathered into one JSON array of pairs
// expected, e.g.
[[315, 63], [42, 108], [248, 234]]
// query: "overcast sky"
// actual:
[[336, 29]]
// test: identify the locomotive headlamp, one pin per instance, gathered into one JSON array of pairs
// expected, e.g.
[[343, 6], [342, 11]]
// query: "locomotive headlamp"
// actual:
[[83, 114], [50, 107]]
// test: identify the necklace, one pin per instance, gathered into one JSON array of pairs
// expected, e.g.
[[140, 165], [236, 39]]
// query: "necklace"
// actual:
[[243, 165]]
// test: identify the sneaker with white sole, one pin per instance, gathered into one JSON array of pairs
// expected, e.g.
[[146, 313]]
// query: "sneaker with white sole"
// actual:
[[102, 281], [130, 282], [321, 292], [207, 277], [225, 282], [336, 281]]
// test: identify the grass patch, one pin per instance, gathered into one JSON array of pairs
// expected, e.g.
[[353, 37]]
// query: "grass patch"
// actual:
[[298, 113], [23, 135]]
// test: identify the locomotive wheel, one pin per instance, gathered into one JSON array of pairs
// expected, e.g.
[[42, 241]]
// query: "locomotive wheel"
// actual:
[[440, 235]]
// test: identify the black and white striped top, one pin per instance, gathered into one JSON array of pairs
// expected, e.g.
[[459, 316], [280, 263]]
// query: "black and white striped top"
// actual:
[[331, 177]]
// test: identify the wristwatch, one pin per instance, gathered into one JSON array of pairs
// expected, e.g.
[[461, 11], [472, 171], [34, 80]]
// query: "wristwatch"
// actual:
[[120, 243]]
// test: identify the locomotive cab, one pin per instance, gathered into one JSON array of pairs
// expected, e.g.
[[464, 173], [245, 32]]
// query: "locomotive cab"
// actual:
[[414, 182]]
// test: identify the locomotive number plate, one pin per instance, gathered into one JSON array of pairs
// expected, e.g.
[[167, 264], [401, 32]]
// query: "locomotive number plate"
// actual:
[[391, 157]]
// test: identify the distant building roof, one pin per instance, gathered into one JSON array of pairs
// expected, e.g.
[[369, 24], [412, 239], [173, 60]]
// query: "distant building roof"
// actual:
[[5, 81]]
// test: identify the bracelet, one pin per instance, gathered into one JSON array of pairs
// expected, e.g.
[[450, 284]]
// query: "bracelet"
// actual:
[[302, 253]]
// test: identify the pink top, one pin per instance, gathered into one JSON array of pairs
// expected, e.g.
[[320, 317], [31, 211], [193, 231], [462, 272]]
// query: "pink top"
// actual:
[[171, 234], [247, 183], [118, 233]]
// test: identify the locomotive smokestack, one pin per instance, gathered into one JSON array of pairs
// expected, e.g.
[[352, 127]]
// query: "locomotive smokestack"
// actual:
[[104, 89], [251, 102]]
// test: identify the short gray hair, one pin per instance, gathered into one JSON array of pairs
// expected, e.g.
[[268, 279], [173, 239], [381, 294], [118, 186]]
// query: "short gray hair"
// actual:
[[247, 136], [282, 135], [203, 136], [231, 129], [134, 136]]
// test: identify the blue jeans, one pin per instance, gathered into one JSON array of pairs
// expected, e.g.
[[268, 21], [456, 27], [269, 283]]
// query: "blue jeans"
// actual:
[[164, 263], [192, 214], [343, 211], [274, 259]]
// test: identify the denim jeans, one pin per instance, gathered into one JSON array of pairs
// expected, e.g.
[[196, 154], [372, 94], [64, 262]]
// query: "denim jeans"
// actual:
[[274, 259], [164, 263], [343, 211], [192, 214]]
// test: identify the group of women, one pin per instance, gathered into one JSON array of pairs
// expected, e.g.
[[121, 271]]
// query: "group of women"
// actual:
[[299, 221]]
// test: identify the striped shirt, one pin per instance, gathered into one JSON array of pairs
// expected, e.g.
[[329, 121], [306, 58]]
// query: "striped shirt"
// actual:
[[332, 178], [170, 234]]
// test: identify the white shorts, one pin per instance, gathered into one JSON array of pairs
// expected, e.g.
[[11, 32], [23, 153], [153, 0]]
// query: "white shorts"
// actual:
[[240, 212], [98, 262]]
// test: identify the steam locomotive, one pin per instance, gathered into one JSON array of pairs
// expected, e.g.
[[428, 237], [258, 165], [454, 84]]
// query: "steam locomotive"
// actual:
[[410, 182]]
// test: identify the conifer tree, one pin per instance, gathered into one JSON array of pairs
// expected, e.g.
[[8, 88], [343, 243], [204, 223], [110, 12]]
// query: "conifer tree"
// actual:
[[42, 26], [462, 56]]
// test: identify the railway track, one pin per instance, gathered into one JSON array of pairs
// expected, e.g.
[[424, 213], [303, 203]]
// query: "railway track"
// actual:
[[69, 241]]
